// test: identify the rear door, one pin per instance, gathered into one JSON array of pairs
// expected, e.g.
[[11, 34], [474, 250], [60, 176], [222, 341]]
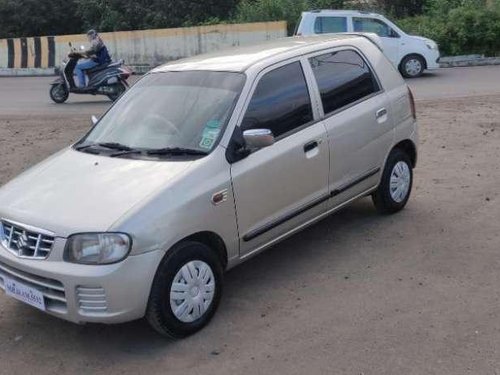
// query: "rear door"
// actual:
[[330, 24], [280, 187], [391, 40], [356, 116]]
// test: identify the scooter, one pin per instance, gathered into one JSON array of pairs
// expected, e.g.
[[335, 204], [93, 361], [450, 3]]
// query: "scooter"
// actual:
[[108, 79]]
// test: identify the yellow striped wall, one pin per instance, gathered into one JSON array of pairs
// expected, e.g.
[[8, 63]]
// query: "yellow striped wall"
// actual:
[[141, 47]]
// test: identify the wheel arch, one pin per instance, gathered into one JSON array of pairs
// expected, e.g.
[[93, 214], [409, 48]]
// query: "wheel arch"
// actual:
[[213, 241], [409, 148]]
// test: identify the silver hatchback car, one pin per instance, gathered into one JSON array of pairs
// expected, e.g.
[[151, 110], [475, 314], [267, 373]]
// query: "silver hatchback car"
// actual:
[[204, 163]]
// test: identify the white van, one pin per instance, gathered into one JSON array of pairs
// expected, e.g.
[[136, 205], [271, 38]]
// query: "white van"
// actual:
[[410, 54]]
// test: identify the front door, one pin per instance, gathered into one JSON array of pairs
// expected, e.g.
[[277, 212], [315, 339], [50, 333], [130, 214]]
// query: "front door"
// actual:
[[280, 187], [391, 41]]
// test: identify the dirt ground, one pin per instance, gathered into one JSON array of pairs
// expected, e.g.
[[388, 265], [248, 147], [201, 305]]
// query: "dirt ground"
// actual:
[[358, 293]]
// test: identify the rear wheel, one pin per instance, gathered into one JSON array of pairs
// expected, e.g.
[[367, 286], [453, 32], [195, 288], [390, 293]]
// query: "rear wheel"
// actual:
[[412, 66], [186, 290], [118, 89], [59, 93], [395, 186]]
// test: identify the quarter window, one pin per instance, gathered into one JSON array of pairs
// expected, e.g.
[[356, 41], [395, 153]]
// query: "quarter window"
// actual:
[[343, 77], [281, 101], [324, 25], [372, 25]]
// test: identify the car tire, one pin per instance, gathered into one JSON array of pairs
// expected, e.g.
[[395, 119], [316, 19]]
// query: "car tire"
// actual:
[[186, 290], [395, 185], [59, 93], [412, 66]]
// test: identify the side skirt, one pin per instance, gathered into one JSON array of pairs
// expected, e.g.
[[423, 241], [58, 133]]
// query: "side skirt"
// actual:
[[302, 226]]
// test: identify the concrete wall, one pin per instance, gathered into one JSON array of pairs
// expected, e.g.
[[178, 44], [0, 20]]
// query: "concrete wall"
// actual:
[[143, 47]]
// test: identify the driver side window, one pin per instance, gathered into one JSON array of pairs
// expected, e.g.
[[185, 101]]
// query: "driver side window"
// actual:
[[372, 25], [281, 102]]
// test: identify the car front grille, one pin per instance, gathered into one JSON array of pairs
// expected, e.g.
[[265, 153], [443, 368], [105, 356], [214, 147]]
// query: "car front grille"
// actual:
[[25, 242], [52, 290]]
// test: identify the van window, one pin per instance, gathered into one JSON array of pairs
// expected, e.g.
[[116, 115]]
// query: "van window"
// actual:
[[324, 25], [372, 25], [343, 77], [280, 102]]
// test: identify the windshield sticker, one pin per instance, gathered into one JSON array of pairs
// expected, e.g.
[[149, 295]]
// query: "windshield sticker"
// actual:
[[210, 134]]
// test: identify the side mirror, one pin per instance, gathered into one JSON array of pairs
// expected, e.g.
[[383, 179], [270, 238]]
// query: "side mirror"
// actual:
[[393, 34], [258, 138], [94, 119]]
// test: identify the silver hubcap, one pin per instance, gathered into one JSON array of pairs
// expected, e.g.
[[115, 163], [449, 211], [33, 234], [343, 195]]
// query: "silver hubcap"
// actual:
[[413, 67], [400, 181], [192, 291]]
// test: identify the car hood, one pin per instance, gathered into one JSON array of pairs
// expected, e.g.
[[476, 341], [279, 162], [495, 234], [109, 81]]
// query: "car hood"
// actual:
[[79, 192], [421, 38]]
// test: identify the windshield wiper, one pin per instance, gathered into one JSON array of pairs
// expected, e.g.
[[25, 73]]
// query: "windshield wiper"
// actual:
[[176, 151], [115, 146], [110, 145]]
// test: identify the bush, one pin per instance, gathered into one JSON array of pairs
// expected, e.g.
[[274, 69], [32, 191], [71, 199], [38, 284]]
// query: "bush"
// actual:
[[462, 30], [278, 10]]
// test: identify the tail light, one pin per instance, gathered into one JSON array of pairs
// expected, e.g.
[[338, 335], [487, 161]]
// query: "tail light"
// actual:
[[125, 72], [412, 104]]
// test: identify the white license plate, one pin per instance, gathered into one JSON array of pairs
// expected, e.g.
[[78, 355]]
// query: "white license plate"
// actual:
[[24, 293]]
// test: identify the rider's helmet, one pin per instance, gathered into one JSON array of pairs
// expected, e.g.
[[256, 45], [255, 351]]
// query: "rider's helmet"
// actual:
[[91, 34]]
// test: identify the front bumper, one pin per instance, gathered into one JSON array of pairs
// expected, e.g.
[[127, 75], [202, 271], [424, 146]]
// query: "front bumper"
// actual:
[[108, 294], [432, 59]]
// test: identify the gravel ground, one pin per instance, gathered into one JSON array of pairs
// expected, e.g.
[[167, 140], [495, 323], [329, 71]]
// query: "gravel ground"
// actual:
[[358, 293]]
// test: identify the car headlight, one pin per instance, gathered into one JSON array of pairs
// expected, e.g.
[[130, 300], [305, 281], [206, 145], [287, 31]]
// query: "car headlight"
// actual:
[[97, 248], [431, 45]]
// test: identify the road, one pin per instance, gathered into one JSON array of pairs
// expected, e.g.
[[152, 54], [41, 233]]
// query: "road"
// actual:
[[358, 293], [30, 95]]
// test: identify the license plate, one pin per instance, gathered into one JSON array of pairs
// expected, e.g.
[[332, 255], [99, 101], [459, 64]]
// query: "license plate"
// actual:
[[24, 293]]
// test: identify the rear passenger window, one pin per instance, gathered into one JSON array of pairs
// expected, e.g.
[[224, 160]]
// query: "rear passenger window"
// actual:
[[343, 77], [324, 25], [280, 102]]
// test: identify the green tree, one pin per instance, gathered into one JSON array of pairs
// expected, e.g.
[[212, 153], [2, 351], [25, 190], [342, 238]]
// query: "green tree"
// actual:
[[276, 10], [111, 15], [38, 17]]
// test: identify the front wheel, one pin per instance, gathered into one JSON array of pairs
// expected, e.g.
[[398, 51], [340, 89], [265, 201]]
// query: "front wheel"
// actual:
[[59, 93], [186, 290], [395, 186], [118, 89], [412, 66]]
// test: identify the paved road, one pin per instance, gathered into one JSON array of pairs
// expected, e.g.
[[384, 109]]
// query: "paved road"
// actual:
[[358, 293], [30, 95], [457, 82]]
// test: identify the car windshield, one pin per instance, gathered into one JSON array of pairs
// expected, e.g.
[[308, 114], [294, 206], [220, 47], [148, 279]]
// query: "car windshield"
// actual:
[[169, 111]]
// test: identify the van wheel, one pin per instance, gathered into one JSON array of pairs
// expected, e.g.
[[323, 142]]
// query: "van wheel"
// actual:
[[395, 186], [186, 290], [412, 66]]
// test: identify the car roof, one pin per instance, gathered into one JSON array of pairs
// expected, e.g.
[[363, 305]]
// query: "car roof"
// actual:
[[239, 59], [342, 12]]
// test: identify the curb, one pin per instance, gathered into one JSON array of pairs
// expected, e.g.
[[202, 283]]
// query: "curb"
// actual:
[[468, 60], [26, 72]]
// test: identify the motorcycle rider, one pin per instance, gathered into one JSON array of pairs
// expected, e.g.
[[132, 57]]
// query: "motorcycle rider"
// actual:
[[98, 55]]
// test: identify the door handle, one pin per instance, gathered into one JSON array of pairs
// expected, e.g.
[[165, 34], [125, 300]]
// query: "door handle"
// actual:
[[381, 112], [310, 146]]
